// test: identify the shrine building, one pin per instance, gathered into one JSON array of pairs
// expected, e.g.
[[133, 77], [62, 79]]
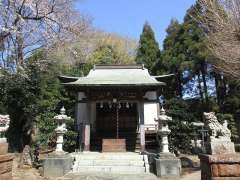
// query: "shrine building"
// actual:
[[116, 106]]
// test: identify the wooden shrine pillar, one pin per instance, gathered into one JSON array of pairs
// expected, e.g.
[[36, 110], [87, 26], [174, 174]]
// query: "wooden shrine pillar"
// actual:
[[83, 121], [87, 127], [141, 125]]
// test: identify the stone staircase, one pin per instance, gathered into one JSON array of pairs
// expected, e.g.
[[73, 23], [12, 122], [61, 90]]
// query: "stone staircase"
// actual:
[[122, 163]]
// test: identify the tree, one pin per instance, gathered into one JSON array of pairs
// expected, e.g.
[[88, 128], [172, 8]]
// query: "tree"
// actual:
[[185, 54], [220, 21], [148, 52], [95, 47], [181, 128], [172, 55], [196, 51], [20, 99], [28, 25]]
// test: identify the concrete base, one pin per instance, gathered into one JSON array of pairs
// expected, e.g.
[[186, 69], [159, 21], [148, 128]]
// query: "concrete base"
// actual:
[[57, 165], [168, 166], [220, 167]]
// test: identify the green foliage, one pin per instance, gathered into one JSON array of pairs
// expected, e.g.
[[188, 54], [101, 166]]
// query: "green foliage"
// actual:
[[70, 138], [20, 99], [181, 129], [105, 54], [46, 125], [231, 124], [148, 52], [185, 50], [51, 98], [32, 97]]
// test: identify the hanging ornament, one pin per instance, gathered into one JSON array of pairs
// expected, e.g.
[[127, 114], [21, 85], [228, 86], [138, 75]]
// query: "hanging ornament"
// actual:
[[101, 105], [119, 106], [127, 105], [110, 105]]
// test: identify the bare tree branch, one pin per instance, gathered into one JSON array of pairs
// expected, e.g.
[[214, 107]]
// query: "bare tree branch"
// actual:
[[220, 19], [30, 24]]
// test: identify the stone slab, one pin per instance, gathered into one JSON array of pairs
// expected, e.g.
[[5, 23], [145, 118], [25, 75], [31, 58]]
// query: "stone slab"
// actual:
[[114, 145], [6, 163], [168, 166], [220, 146], [220, 158], [110, 176], [57, 165]]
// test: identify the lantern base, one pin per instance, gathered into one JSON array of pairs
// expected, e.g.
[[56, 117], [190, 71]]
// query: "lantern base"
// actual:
[[168, 166], [57, 164]]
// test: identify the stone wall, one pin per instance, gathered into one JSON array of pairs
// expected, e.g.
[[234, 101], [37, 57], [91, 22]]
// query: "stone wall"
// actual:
[[6, 163], [220, 167]]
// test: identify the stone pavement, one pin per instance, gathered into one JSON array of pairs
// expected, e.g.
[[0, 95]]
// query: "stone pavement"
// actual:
[[108, 176]]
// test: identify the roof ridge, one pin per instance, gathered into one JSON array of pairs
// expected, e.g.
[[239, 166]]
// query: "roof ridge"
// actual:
[[119, 66]]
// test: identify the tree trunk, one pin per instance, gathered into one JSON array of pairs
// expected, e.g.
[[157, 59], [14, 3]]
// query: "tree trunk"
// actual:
[[205, 88], [200, 89], [19, 50], [179, 79], [217, 86]]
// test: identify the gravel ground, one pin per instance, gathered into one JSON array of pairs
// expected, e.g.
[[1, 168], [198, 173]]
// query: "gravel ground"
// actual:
[[192, 176]]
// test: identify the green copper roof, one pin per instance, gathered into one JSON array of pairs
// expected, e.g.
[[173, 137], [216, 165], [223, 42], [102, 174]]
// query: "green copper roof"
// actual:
[[115, 76]]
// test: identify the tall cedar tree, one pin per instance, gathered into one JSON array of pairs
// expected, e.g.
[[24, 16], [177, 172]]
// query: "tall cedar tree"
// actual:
[[173, 57], [148, 52], [196, 50], [184, 50]]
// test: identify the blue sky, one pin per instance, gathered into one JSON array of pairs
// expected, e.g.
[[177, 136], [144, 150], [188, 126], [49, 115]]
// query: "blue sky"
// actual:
[[126, 17]]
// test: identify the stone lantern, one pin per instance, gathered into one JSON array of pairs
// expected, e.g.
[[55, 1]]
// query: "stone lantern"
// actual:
[[163, 130], [167, 164], [58, 163], [61, 129]]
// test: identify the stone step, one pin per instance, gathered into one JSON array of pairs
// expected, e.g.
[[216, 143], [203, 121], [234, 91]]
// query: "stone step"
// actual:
[[116, 156], [110, 169], [98, 162]]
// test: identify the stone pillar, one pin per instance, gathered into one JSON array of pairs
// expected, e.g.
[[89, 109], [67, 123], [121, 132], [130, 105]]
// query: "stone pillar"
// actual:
[[141, 125]]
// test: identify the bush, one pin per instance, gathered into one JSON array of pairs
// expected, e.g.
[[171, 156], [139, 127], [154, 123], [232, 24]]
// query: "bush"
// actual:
[[181, 129], [70, 138]]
